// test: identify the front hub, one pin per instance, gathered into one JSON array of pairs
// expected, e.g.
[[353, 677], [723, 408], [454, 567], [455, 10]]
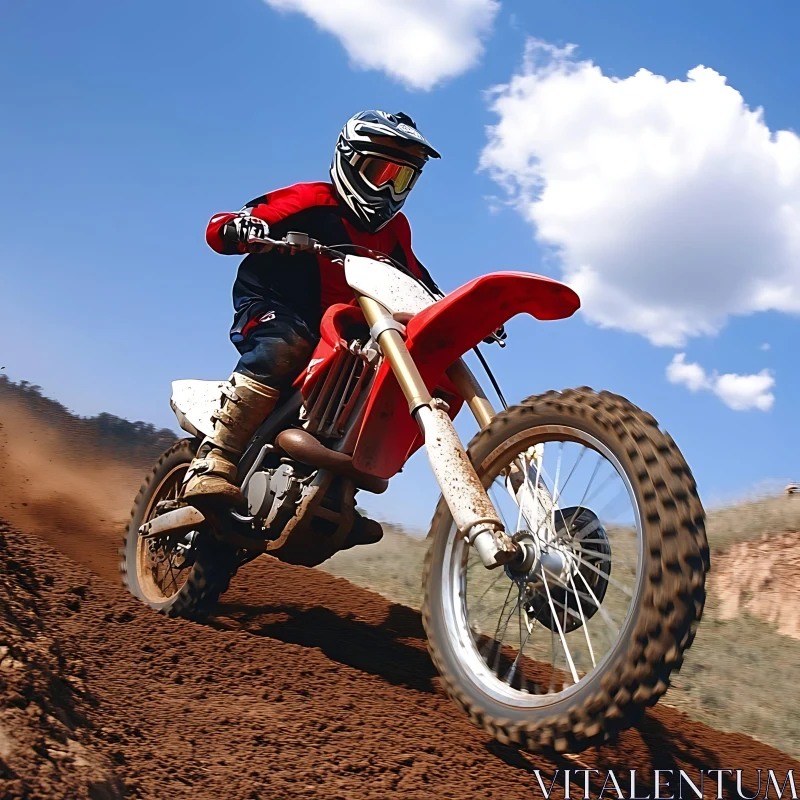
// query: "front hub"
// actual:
[[566, 576]]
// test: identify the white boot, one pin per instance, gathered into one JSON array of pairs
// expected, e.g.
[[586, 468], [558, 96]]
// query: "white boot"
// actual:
[[246, 403]]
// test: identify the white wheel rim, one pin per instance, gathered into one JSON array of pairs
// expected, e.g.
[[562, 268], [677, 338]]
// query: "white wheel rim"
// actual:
[[149, 586], [454, 588]]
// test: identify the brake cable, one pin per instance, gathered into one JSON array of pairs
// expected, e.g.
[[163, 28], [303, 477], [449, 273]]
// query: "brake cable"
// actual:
[[489, 372]]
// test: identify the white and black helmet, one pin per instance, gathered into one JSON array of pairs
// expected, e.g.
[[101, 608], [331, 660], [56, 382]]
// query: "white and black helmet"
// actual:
[[378, 159]]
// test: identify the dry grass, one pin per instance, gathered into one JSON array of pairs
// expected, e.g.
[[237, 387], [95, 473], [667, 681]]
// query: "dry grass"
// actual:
[[393, 567], [741, 675], [744, 522]]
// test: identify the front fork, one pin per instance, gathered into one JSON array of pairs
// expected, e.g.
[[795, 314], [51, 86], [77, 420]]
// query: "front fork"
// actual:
[[472, 510]]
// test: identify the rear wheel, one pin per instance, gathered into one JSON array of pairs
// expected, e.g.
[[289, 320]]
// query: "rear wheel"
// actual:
[[181, 575], [572, 642]]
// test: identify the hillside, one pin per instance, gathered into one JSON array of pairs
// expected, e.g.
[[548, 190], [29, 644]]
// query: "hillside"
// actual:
[[77, 500], [140, 442]]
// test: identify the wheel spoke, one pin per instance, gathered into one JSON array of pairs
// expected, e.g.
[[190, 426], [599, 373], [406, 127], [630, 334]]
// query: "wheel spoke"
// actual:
[[607, 618], [561, 635], [171, 573], [163, 570], [583, 620], [613, 581], [567, 526], [533, 493], [578, 460], [586, 490], [499, 641], [537, 483], [522, 643], [615, 558], [558, 474], [601, 512], [600, 488], [600, 556], [508, 618], [502, 611], [493, 496], [490, 586]]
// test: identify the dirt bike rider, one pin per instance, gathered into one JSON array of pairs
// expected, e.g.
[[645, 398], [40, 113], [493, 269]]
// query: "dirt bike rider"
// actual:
[[279, 299]]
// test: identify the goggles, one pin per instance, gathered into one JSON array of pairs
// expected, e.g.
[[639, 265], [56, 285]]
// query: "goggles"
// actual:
[[378, 172]]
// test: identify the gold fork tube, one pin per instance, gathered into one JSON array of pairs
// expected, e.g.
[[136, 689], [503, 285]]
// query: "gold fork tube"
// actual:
[[469, 388], [394, 349]]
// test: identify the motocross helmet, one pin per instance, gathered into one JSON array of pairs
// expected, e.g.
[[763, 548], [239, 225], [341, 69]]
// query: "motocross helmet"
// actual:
[[377, 161]]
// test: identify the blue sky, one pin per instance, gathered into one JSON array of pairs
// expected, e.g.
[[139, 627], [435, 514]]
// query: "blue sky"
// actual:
[[124, 127]]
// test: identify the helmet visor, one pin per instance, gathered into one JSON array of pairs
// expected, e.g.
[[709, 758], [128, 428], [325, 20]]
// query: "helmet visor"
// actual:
[[379, 172]]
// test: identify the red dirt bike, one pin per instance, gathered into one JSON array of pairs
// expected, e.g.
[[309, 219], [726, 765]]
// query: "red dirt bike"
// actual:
[[566, 570]]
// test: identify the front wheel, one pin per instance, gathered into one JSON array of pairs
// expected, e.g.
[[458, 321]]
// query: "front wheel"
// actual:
[[181, 575], [570, 643]]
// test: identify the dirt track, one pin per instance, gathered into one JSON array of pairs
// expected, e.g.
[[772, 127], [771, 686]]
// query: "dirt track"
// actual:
[[301, 686]]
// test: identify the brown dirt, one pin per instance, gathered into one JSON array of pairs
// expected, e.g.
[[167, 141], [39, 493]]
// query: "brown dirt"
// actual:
[[761, 578], [302, 685]]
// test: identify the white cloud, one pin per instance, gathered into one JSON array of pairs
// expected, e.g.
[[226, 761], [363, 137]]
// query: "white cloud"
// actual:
[[670, 204], [693, 376], [418, 42], [766, 346], [743, 392], [739, 392]]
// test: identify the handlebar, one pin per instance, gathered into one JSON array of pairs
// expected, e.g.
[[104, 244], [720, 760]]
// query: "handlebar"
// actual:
[[295, 242]]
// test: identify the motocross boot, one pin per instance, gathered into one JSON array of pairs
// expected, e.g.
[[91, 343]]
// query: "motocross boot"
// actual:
[[245, 405]]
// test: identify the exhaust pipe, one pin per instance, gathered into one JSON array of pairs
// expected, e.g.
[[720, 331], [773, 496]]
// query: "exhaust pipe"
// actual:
[[303, 447]]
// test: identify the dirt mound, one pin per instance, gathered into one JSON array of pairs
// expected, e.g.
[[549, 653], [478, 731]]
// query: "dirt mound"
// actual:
[[45, 737], [761, 578], [301, 686]]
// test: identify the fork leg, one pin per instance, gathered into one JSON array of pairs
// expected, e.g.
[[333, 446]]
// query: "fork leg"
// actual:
[[469, 388], [472, 510]]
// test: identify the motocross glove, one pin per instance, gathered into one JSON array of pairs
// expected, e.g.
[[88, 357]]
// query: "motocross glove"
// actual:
[[242, 231], [498, 336]]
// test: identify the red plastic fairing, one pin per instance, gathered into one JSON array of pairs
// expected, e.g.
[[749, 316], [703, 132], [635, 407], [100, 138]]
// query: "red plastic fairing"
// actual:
[[334, 322], [336, 319], [437, 337]]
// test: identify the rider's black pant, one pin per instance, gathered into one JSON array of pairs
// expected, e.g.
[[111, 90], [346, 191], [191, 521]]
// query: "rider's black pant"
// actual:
[[275, 343]]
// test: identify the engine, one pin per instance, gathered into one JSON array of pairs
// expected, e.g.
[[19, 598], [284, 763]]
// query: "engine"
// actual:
[[274, 492]]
